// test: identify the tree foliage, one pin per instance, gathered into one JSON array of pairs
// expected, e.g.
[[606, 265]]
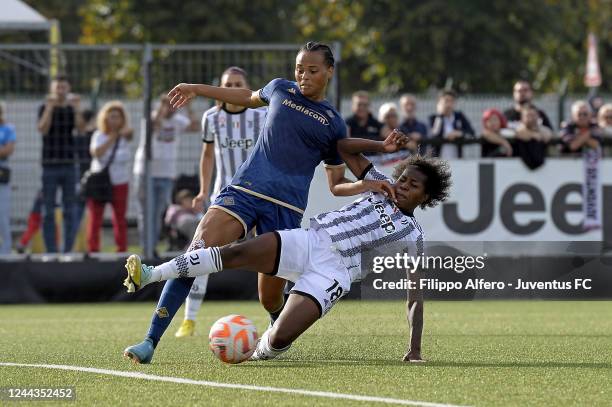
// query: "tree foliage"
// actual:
[[387, 45], [185, 21], [482, 45]]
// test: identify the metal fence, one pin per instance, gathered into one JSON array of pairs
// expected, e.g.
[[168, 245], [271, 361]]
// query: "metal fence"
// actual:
[[106, 72]]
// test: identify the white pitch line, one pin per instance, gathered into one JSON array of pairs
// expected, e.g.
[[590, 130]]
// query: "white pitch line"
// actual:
[[136, 375]]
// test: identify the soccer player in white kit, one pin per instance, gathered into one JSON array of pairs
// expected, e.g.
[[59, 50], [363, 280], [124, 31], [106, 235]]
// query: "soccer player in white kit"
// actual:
[[325, 259], [229, 133]]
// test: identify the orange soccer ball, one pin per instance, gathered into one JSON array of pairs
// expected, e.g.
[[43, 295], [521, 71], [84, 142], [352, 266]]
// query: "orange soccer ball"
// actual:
[[233, 338]]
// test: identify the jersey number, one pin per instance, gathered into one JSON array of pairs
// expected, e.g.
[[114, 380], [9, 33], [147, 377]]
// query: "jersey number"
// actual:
[[335, 293]]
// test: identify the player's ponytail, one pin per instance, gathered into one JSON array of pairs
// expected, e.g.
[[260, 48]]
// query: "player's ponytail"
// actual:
[[312, 46]]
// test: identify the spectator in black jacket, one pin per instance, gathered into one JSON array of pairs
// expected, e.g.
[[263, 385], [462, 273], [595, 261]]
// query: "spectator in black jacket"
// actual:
[[361, 123], [449, 124], [522, 93], [532, 138], [411, 126]]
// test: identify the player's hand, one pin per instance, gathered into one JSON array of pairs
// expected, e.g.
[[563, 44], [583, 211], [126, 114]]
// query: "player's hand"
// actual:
[[199, 201], [395, 141], [413, 357], [381, 187], [181, 94]]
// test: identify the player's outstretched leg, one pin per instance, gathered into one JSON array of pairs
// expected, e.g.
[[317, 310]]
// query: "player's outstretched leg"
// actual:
[[173, 295], [216, 228], [299, 314]]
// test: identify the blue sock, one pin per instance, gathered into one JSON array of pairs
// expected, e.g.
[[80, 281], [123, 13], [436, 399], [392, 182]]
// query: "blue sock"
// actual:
[[172, 297]]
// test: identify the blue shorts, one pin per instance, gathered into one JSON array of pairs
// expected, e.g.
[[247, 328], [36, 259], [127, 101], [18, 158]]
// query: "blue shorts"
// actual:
[[254, 212]]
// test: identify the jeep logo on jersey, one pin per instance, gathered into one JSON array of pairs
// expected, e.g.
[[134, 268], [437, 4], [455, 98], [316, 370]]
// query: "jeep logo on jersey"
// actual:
[[308, 112], [241, 143], [386, 223]]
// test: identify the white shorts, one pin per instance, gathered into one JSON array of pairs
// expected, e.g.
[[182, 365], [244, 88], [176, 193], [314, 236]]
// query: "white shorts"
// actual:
[[308, 259]]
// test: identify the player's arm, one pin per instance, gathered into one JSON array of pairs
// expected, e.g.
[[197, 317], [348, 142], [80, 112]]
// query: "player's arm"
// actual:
[[351, 150], [414, 315], [207, 160], [339, 185], [182, 93]]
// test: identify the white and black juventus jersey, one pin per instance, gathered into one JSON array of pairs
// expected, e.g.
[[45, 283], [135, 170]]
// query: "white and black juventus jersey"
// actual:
[[370, 223], [234, 136]]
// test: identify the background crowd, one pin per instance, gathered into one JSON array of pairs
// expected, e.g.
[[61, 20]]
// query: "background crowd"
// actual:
[[522, 130], [78, 141]]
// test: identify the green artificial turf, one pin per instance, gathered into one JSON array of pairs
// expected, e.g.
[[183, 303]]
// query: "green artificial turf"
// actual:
[[478, 353]]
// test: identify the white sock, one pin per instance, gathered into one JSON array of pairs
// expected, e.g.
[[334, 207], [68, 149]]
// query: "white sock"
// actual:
[[196, 296], [265, 350], [191, 264]]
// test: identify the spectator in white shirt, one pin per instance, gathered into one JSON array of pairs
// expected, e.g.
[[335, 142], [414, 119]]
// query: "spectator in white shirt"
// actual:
[[113, 128], [167, 126]]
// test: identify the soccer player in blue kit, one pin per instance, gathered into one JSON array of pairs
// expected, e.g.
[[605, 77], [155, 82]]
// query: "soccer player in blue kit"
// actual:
[[270, 190]]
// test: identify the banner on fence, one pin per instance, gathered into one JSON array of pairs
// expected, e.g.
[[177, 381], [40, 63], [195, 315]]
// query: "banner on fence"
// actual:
[[499, 200]]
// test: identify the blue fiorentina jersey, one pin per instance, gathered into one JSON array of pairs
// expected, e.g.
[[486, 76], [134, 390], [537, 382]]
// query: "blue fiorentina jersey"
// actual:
[[297, 135]]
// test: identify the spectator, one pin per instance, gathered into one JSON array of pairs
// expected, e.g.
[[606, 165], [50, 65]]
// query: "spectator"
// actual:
[[33, 224], [362, 124], [580, 133], [388, 117], [113, 128], [522, 93], [57, 120], [532, 138], [167, 125], [583, 136], [493, 143], [449, 125], [595, 102], [7, 146], [412, 127], [604, 120], [182, 218]]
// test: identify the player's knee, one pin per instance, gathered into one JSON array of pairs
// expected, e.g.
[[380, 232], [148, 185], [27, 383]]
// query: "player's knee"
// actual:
[[279, 339]]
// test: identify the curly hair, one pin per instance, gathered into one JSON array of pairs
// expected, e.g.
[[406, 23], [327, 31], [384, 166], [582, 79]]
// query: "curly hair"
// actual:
[[438, 176]]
